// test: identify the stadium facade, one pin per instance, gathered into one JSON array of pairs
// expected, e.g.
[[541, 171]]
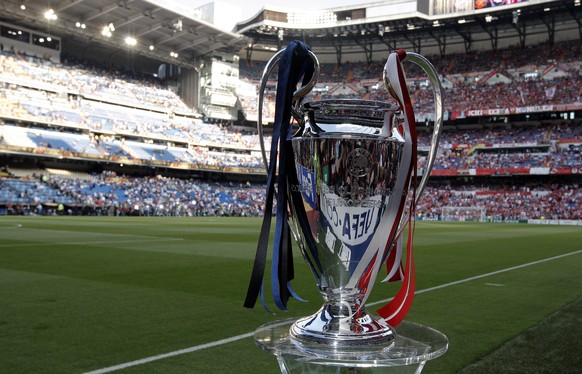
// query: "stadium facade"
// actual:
[[431, 27]]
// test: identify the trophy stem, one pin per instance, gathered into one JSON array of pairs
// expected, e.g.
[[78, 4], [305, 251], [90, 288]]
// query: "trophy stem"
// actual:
[[342, 324]]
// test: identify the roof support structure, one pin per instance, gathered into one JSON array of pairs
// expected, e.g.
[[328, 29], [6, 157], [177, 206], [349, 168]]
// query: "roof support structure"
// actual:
[[249, 53], [467, 39], [415, 41], [100, 12], [338, 52], [493, 35], [441, 40], [550, 23], [390, 43], [578, 18], [65, 4], [368, 49], [520, 27]]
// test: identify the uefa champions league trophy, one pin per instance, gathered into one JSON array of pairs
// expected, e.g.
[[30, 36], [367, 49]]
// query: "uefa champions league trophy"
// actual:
[[344, 178]]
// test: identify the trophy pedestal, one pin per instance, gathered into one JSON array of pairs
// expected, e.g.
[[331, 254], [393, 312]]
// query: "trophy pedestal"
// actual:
[[413, 345]]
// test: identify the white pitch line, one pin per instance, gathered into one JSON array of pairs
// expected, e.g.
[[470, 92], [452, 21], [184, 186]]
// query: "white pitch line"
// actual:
[[171, 354], [250, 334], [494, 284], [486, 275], [175, 353]]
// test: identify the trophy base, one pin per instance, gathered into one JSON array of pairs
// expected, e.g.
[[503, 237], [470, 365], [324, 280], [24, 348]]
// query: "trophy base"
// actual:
[[413, 345], [337, 331]]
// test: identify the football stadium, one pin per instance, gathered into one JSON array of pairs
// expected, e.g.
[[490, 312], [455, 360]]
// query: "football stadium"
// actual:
[[133, 187]]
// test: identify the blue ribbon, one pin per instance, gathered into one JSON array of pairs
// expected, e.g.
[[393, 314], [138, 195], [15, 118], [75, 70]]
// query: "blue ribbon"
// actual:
[[295, 63]]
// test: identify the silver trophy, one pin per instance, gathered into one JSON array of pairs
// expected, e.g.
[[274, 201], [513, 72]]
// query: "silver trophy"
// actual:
[[349, 199]]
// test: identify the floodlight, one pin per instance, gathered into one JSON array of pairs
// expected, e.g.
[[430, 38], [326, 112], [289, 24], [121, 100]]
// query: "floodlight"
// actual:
[[50, 15], [106, 32]]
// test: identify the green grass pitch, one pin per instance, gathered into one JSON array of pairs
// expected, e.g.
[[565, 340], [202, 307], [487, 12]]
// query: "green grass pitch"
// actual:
[[83, 294]]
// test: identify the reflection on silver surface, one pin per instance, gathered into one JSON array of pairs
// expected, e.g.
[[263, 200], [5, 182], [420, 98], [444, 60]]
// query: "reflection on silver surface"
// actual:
[[344, 213]]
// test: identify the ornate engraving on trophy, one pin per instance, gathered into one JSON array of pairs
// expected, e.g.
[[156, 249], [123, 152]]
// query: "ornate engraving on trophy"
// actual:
[[359, 162]]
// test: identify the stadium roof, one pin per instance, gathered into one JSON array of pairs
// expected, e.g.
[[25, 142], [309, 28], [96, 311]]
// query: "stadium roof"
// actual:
[[352, 30], [148, 22]]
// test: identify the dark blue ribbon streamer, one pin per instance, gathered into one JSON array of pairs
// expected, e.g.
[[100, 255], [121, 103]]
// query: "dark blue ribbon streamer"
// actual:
[[299, 210], [295, 63]]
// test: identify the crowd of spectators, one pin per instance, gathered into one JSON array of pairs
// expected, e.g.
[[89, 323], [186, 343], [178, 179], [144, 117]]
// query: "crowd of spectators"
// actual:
[[111, 194], [505, 202], [103, 81], [451, 64], [551, 145], [509, 147], [160, 196], [480, 80], [87, 106], [81, 98], [105, 121]]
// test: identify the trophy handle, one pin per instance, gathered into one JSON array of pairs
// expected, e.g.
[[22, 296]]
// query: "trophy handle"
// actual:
[[437, 89], [298, 95], [394, 81]]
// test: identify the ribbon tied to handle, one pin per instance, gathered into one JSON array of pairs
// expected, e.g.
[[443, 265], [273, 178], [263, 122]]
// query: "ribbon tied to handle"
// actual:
[[295, 63]]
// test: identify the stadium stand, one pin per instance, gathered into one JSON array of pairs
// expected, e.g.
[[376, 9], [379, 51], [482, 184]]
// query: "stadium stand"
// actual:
[[78, 109]]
